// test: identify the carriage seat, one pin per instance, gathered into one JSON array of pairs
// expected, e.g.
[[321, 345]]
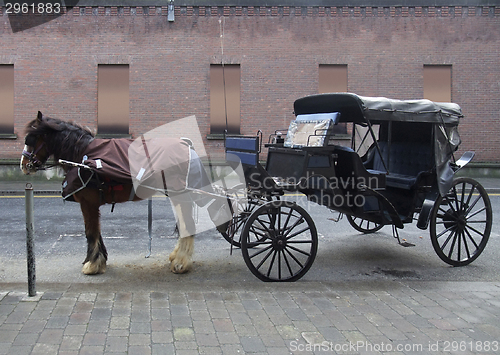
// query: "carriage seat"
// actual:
[[349, 166], [244, 149], [406, 162]]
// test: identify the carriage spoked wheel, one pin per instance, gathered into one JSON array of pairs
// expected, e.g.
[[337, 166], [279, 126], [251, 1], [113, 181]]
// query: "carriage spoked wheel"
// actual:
[[460, 223], [242, 209], [241, 214], [279, 241], [363, 225]]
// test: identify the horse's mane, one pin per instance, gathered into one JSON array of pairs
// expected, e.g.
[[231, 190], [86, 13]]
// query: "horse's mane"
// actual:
[[64, 139]]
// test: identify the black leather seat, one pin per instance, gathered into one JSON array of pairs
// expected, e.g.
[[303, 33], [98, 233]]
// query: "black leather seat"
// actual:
[[406, 162], [349, 166]]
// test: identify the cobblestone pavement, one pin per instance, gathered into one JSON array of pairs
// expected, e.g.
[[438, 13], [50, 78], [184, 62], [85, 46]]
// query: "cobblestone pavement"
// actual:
[[305, 317]]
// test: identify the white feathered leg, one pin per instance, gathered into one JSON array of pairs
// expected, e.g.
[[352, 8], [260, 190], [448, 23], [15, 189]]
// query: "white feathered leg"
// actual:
[[181, 258]]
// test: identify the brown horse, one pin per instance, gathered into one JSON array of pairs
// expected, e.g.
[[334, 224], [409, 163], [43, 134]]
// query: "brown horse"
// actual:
[[47, 137]]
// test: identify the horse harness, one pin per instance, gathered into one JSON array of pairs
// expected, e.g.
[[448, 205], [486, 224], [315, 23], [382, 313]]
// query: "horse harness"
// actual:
[[34, 162]]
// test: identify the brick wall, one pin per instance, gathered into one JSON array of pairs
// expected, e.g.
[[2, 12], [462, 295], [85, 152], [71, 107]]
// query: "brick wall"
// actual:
[[278, 48]]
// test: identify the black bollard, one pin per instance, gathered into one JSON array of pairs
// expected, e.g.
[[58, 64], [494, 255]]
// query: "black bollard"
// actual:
[[30, 243]]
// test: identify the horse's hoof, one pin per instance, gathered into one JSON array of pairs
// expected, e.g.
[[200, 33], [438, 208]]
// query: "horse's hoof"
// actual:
[[93, 268], [180, 267]]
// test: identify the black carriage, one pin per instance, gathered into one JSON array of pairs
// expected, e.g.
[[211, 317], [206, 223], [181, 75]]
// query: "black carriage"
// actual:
[[398, 168]]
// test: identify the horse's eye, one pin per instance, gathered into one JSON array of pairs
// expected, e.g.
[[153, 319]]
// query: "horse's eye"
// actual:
[[30, 140]]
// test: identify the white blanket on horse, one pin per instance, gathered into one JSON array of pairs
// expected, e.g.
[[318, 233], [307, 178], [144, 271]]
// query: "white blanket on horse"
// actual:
[[160, 164]]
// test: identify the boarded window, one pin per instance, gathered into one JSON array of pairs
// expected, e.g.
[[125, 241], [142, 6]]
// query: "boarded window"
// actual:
[[7, 99], [333, 78], [225, 98], [437, 83], [113, 99]]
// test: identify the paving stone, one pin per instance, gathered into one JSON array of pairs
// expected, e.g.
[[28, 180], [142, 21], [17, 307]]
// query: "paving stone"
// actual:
[[71, 342], [184, 346], [26, 339], [139, 350], [218, 313], [248, 330], [296, 314], [66, 302], [161, 325], [179, 310], [162, 337], [184, 334], [57, 322], [139, 339], [271, 341], [47, 349], [51, 295], [75, 329], [140, 327], [18, 350], [163, 349], [17, 317], [87, 297], [288, 332], [116, 344], [207, 340], [33, 326], [94, 339], [182, 321], [252, 344], [251, 304], [51, 336], [119, 323], [83, 307], [223, 325], [98, 326], [203, 327], [228, 337]]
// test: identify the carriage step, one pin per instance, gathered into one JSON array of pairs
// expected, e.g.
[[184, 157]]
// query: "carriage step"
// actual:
[[406, 244]]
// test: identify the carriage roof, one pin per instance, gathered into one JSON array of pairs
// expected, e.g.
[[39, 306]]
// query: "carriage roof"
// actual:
[[359, 109]]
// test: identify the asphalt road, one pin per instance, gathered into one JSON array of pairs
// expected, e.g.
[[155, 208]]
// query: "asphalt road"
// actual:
[[344, 255]]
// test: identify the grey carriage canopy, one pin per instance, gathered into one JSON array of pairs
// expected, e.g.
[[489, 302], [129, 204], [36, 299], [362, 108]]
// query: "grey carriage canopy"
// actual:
[[366, 111]]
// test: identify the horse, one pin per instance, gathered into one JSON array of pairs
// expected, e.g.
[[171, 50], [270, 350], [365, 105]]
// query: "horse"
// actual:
[[68, 141]]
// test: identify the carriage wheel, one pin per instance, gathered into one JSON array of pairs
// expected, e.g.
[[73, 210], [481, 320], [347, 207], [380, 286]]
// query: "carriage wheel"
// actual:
[[363, 225], [460, 223], [243, 211], [283, 241], [243, 208]]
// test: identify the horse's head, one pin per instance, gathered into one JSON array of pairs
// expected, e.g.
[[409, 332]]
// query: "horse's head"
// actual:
[[35, 152]]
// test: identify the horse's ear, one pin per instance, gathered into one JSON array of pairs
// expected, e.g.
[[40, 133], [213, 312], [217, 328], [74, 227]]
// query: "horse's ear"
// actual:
[[39, 116]]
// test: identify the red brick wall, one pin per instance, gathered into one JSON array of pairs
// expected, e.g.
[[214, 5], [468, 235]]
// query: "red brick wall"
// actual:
[[278, 49]]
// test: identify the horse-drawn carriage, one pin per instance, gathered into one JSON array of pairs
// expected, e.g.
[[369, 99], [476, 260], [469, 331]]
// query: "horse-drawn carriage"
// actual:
[[399, 167]]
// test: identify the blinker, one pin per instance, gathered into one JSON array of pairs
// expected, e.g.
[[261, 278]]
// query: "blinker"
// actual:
[[30, 140]]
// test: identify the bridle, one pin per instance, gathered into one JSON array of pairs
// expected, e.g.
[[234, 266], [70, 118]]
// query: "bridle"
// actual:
[[34, 164]]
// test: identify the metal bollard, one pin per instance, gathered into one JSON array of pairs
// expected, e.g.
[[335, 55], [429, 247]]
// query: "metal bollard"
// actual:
[[30, 243], [150, 225]]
